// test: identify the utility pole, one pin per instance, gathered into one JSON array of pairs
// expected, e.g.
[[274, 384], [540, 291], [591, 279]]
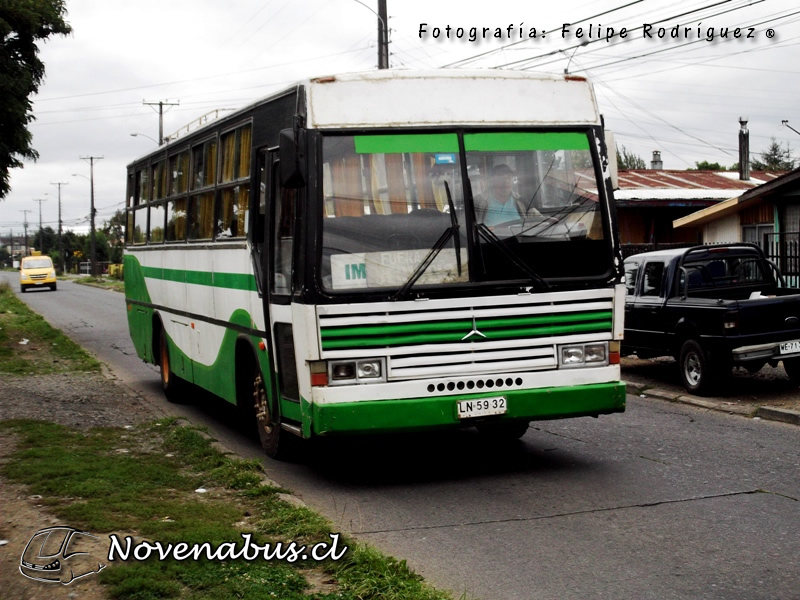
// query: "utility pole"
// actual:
[[161, 104], [93, 251], [383, 32], [25, 226], [41, 234], [60, 246], [383, 36]]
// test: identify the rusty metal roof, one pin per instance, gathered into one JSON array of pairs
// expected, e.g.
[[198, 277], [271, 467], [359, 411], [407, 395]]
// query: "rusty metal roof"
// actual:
[[675, 185], [666, 179]]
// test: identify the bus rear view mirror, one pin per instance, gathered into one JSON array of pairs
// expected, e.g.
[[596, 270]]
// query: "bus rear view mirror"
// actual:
[[611, 150], [292, 153]]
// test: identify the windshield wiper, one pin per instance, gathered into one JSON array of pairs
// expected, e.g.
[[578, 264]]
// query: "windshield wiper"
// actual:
[[454, 226], [448, 233], [489, 235]]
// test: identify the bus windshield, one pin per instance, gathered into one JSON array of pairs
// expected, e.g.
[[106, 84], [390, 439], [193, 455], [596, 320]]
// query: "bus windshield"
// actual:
[[397, 210]]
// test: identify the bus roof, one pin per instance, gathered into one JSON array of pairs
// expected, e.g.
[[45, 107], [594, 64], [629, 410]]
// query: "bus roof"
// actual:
[[449, 97], [442, 97]]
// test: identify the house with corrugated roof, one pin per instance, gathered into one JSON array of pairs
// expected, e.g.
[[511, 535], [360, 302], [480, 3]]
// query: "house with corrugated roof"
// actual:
[[767, 215], [649, 201]]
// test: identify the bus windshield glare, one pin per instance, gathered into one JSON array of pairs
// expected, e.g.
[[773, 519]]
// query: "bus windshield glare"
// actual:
[[397, 210]]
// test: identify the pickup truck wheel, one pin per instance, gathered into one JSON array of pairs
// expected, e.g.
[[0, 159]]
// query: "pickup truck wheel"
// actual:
[[792, 367], [695, 368]]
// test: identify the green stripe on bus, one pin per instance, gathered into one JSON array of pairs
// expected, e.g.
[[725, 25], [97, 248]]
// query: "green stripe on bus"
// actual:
[[438, 338], [465, 324], [393, 144], [233, 281], [510, 141]]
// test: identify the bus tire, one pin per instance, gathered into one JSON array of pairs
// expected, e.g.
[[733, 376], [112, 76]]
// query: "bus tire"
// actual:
[[170, 383], [268, 423]]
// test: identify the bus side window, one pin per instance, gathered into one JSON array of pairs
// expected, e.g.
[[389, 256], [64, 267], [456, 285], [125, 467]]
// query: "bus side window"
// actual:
[[283, 237]]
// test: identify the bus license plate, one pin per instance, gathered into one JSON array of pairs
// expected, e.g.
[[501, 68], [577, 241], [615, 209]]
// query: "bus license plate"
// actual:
[[790, 347], [468, 409]]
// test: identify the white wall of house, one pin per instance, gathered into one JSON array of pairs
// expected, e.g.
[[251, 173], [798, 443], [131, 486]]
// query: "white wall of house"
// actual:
[[723, 230]]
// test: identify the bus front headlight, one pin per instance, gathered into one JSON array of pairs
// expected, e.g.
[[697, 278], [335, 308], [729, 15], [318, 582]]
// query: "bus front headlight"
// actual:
[[583, 355], [365, 370]]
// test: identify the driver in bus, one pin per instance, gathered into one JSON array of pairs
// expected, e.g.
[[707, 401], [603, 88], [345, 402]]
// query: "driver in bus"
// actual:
[[500, 204]]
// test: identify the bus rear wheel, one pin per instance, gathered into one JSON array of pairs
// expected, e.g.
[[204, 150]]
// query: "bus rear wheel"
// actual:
[[170, 382], [267, 420]]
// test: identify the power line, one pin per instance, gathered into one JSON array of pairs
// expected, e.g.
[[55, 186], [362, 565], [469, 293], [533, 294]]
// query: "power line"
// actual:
[[672, 48], [641, 27], [465, 61]]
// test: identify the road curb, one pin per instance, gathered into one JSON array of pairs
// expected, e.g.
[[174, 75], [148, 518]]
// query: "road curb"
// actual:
[[766, 413], [784, 415]]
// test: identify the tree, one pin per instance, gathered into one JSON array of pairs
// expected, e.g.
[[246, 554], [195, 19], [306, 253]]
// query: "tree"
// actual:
[[45, 240], [628, 160], [707, 166], [115, 227], [102, 249], [774, 158], [22, 24]]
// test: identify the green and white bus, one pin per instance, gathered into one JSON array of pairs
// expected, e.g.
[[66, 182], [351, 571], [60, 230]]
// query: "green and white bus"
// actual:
[[385, 252]]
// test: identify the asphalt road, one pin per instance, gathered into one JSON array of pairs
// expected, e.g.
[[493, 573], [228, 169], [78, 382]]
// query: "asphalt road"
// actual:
[[664, 501]]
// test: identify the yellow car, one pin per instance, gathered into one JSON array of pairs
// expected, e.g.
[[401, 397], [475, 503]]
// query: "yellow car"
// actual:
[[36, 271]]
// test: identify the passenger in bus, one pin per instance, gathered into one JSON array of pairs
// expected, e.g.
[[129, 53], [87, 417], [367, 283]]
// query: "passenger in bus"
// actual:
[[501, 204]]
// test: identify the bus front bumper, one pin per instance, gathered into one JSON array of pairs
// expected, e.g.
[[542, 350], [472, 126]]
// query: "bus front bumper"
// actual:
[[420, 414]]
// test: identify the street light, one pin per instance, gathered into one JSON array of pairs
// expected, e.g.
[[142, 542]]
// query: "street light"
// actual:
[[143, 135], [383, 33], [785, 123]]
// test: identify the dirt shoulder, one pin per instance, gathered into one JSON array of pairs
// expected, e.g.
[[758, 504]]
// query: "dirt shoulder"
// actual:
[[79, 400]]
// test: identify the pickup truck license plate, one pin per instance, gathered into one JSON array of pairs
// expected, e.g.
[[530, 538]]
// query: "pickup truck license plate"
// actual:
[[468, 409], [790, 347]]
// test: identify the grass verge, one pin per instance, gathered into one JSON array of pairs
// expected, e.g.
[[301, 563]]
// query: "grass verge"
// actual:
[[29, 345], [107, 283], [142, 482]]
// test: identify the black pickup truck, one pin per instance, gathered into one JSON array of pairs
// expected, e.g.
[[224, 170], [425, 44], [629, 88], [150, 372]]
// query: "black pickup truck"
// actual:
[[711, 307]]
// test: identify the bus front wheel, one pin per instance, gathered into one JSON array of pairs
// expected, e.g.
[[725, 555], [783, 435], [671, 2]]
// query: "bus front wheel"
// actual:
[[267, 421]]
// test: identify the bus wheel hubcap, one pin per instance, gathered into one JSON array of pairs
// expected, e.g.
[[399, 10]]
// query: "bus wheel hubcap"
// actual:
[[260, 401]]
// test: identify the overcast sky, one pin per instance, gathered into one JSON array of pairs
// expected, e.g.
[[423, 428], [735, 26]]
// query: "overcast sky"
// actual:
[[681, 96]]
